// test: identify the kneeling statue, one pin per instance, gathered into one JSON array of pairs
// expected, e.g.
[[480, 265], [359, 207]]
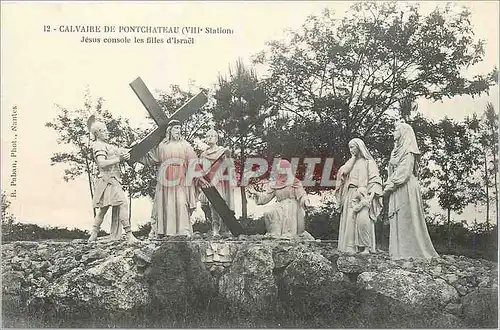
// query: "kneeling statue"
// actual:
[[286, 218]]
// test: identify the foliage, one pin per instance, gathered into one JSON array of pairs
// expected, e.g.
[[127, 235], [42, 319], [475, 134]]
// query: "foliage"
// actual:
[[322, 223], [72, 130], [33, 232], [451, 166], [490, 144], [74, 136], [340, 79], [15, 231], [253, 226], [470, 241], [202, 227], [484, 138], [8, 226], [144, 182], [193, 129], [240, 113], [241, 109], [143, 231], [6, 216]]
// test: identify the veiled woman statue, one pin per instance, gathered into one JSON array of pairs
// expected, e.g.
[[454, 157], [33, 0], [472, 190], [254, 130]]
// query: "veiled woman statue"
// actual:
[[359, 195], [286, 217], [408, 235], [108, 189]]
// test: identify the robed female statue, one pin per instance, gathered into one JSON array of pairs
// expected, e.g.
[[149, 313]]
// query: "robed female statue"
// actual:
[[359, 196], [408, 236]]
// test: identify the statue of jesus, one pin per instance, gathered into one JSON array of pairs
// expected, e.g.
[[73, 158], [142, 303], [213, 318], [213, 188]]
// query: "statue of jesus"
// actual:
[[175, 198]]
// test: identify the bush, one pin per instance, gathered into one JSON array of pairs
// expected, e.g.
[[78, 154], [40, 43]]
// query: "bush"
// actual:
[[16, 231], [202, 227], [253, 226], [477, 241], [323, 224]]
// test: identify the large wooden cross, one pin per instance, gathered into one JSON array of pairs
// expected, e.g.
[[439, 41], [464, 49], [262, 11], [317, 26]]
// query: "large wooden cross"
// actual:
[[154, 138]]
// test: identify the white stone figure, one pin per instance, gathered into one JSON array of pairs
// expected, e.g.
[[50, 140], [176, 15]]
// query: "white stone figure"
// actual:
[[108, 189], [220, 178], [174, 202], [408, 236], [359, 195], [285, 218]]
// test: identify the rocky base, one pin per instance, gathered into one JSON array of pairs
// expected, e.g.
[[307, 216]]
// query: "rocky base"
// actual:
[[245, 283]]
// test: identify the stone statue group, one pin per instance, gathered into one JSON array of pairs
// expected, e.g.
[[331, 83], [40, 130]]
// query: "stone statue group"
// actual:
[[358, 194]]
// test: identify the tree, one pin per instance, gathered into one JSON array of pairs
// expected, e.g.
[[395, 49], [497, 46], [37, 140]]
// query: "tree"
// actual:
[[491, 143], [426, 133], [452, 165], [346, 77], [71, 127], [484, 133], [72, 130], [240, 112], [7, 217]]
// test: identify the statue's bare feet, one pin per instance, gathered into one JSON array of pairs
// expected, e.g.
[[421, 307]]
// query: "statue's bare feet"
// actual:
[[93, 237], [365, 251]]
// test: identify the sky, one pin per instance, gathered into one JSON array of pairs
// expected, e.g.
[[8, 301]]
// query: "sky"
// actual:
[[41, 69]]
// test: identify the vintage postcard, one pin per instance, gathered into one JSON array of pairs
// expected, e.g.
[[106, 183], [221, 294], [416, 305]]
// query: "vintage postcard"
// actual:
[[249, 164]]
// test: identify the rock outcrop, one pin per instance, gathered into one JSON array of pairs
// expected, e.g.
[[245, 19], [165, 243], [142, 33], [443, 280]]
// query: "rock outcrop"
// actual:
[[249, 282]]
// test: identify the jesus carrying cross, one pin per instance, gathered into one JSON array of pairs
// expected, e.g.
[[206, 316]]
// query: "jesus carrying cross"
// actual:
[[173, 203]]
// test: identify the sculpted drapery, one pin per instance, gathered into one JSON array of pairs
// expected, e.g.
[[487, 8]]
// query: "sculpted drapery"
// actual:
[[108, 189], [222, 176], [359, 197], [173, 203], [285, 219], [408, 236]]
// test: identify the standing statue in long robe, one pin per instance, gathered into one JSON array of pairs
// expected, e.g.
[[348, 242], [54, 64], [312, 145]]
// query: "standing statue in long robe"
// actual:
[[408, 236], [108, 189], [175, 198], [359, 196], [285, 219], [222, 176]]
